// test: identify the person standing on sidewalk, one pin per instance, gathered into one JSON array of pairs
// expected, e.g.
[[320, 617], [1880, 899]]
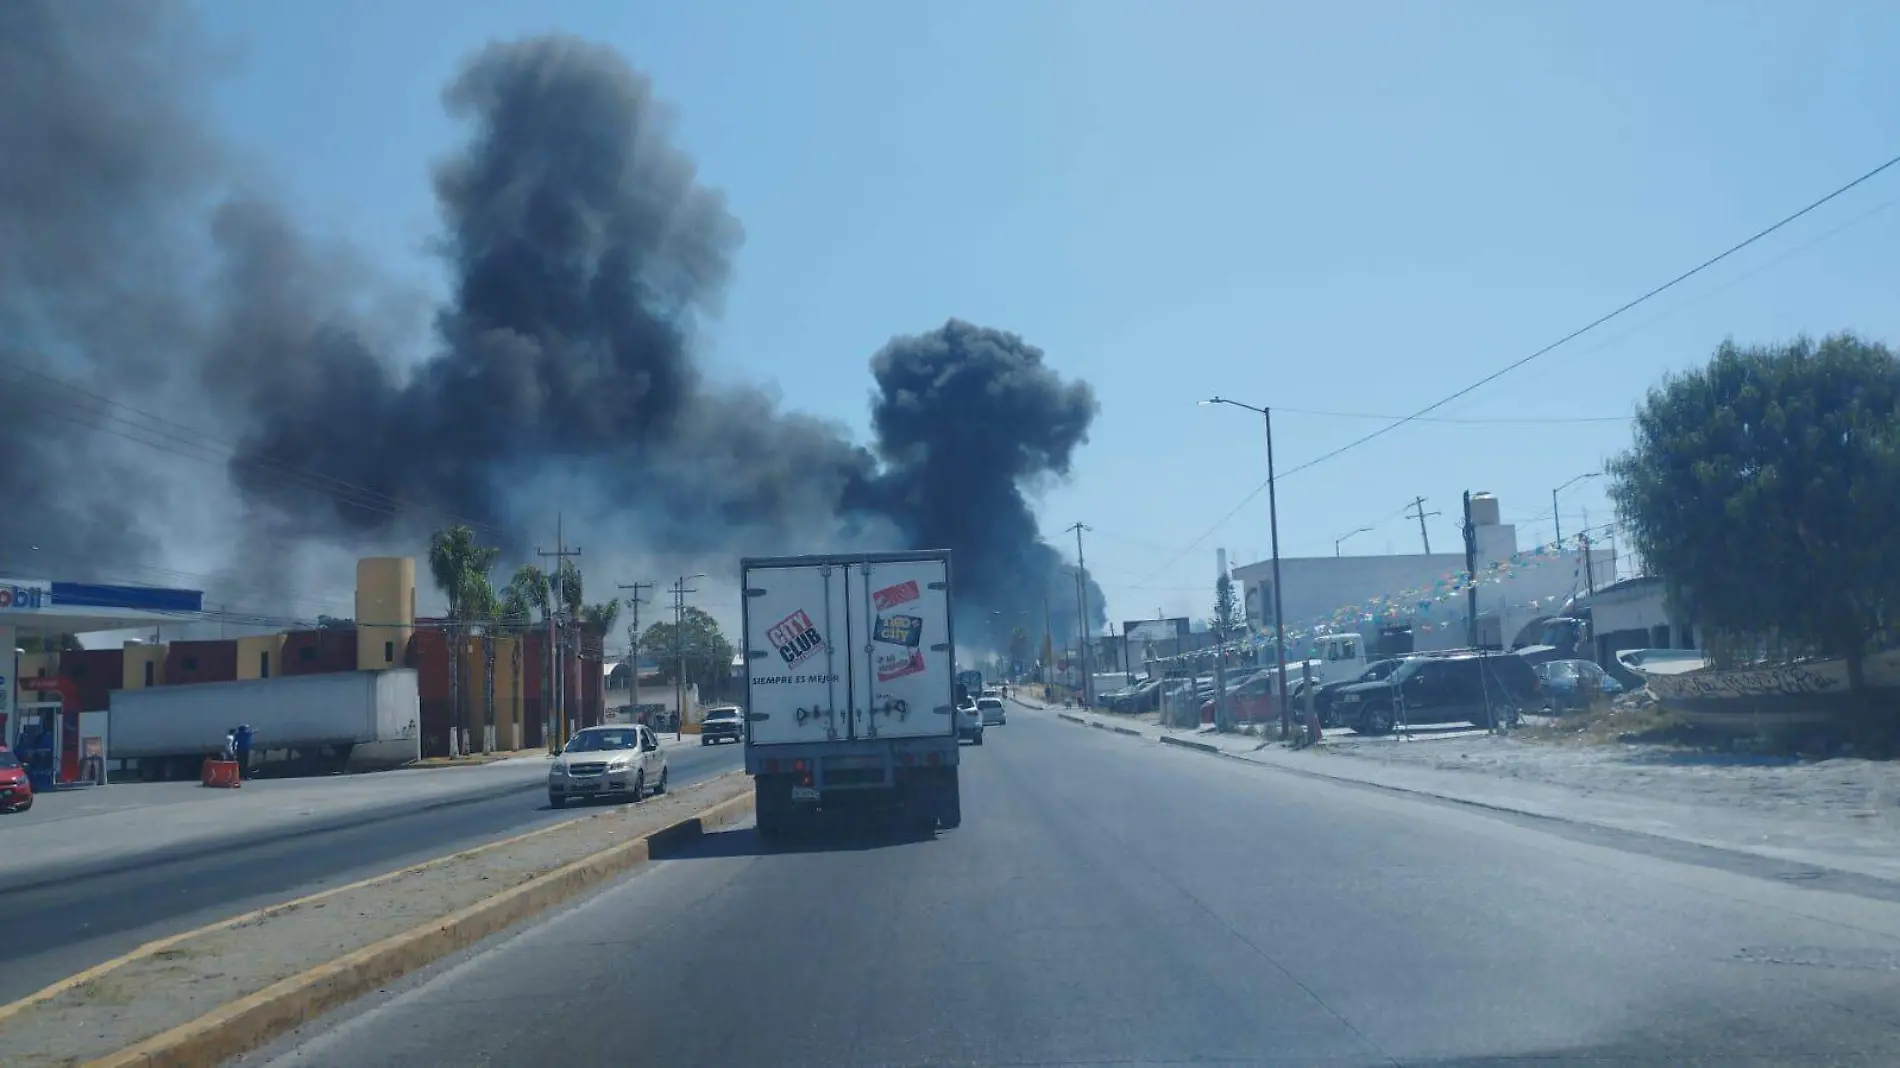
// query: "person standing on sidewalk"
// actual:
[[242, 743]]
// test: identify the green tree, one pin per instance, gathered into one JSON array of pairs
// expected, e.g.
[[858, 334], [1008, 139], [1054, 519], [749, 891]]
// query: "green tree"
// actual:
[[707, 653], [1019, 649], [598, 619], [568, 592], [1224, 606], [1764, 488], [527, 595], [460, 568]]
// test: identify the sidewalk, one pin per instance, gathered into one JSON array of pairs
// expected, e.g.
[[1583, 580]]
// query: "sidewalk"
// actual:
[[1854, 830]]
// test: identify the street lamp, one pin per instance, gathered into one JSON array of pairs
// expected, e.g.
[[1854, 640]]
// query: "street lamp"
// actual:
[[1346, 535], [1273, 520], [1557, 517]]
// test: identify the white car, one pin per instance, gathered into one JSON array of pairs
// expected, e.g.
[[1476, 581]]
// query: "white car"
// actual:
[[969, 722], [612, 761], [991, 709]]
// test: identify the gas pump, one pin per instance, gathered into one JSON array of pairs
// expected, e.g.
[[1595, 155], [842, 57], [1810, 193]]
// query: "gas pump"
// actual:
[[47, 741]]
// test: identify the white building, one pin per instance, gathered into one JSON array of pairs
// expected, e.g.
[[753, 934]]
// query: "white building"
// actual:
[[1425, 593]]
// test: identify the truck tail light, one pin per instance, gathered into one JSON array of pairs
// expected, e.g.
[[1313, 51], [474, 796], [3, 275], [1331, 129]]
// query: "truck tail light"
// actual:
[[931, 758], [908, 759], [798, 765], [771, 765]]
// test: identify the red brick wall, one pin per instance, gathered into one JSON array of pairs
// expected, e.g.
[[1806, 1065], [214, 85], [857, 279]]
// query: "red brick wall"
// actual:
[[319, 652], [201, 661]]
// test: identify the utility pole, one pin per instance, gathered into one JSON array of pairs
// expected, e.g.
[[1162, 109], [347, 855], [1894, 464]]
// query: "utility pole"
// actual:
[[1082, 602], [1048, 645], [554, 709], [1419, 512], [1471, 577], [1589, 566], [680, 591], [633, 646]]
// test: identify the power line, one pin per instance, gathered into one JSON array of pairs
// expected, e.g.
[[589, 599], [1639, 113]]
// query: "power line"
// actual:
[[1627, 306], [1519, 422]]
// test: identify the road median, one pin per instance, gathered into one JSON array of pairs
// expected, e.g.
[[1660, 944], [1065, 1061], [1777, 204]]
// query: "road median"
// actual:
[[210, 994]]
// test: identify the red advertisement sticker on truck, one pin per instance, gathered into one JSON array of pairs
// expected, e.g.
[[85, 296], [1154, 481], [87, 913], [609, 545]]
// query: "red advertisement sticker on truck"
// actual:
[[795, 638], [891, 596]]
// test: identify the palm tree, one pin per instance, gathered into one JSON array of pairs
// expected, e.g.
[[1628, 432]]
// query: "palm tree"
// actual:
[[598, 619], [460, 568], [530, 592], [525, 595]]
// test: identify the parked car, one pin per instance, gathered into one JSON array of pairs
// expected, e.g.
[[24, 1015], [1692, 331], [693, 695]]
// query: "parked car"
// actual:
[[969, 722], [1575, 685], [1249, 700], [1323, 697], [613, 761], [723, 723], [992, 711], [1472, 686], [1143, 698], [16, 790]]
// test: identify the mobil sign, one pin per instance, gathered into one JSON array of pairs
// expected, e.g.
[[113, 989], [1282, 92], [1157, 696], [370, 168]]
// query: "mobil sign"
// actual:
[[20, 596]]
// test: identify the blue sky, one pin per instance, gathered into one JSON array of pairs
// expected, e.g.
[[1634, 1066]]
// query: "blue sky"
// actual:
[[1352, 208]]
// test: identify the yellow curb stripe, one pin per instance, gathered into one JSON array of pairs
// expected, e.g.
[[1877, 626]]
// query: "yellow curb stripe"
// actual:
[[13, 1009], [254, 1020]]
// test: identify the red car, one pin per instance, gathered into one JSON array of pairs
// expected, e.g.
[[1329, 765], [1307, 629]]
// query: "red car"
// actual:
[[16, 792]]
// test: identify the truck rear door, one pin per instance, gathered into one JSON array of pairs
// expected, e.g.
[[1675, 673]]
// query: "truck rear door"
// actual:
[[797, 633], [903, 666]]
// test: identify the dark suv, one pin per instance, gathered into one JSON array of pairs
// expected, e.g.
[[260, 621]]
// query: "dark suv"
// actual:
[[722, 724], [1468, 686]]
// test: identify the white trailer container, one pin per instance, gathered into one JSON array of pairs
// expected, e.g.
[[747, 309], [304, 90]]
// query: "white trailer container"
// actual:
[[850, 686], [345, 720]]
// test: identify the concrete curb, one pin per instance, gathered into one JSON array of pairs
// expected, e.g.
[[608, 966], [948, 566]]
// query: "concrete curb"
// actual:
[[253, 1021], [1130, 731], [1203, 747], [1071, 719]]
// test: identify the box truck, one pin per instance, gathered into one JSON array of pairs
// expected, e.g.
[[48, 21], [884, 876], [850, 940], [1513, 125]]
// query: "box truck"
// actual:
[[851, 692]]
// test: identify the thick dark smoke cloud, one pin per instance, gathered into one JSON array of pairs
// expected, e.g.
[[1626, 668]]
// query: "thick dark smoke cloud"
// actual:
[[966, 417], [584, 257], [98, 179]]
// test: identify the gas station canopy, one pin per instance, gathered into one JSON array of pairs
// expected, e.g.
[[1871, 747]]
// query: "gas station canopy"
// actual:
[[35, 606]]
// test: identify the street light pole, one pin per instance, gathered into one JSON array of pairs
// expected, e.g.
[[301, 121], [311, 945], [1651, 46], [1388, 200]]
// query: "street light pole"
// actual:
[[1273, 520], [1556, 516], [1346, 535]]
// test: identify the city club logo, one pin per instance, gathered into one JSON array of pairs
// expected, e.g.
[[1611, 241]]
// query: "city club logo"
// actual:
[[795, 638]]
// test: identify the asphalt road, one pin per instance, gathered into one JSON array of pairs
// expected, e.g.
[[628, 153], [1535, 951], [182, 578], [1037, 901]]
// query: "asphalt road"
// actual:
[[55, 930], [1111, 901]]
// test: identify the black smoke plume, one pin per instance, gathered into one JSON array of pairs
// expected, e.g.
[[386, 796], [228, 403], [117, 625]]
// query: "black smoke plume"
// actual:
[[585, 256], [966, 418]]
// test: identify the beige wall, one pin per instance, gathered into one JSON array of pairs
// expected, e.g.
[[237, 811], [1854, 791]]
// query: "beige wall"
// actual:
[[136, 657], [251, 653], [385, 610], [38, 665], [508, 734]]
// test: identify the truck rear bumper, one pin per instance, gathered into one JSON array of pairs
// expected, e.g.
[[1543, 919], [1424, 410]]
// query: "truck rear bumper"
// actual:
[[859, 765]]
